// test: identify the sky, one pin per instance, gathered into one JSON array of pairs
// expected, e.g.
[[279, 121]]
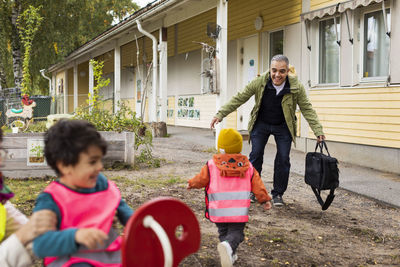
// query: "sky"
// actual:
[[142, 3]]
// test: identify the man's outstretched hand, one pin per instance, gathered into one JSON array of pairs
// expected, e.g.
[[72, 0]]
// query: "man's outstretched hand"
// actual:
[[214, 121], [320, 138]]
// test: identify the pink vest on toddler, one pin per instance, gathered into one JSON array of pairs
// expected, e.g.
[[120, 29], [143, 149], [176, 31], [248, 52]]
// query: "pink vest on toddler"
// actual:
[[228, 197], [93, 210]]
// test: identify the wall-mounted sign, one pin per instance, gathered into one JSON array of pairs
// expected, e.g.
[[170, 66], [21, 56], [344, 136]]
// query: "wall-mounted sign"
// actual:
[[35, 153], [186, 109]]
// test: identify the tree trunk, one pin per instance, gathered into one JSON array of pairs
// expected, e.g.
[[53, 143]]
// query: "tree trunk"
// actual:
[[159, 129], [3, 79], [16, 45]]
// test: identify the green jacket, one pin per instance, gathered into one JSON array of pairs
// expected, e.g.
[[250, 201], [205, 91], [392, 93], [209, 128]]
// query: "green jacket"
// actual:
[[297, 96]]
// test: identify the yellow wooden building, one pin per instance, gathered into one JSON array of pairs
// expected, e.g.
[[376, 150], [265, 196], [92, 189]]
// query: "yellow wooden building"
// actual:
[[344, 53]]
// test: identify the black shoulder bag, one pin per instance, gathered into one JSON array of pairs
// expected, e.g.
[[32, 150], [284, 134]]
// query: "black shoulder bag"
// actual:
[[322, 173]]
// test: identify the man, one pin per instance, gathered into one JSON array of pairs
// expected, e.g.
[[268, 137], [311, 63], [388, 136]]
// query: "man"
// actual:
[[277, 93]]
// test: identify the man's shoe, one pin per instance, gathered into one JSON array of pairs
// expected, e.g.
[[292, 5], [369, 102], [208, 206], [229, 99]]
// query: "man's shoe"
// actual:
[[252, 198], [225, 254], [277, 201]]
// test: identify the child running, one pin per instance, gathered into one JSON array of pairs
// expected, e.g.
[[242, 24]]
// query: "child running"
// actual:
[[228, 180], [84, 201]]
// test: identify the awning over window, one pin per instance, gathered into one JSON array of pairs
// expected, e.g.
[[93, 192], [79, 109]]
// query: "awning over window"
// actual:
[[338, 8], [353, 4], [319, 13]]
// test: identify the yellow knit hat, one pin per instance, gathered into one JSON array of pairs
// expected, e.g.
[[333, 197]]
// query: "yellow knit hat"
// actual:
[[230, 140]]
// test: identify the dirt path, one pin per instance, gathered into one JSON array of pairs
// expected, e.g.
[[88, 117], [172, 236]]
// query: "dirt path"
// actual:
[[354, 231]]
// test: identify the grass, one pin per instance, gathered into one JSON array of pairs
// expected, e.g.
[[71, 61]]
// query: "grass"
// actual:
[[150, 182], [26, 190], [369, 233], [210, 150]]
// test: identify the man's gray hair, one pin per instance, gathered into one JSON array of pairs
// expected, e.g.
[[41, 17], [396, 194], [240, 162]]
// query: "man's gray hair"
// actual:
[[280, 58]]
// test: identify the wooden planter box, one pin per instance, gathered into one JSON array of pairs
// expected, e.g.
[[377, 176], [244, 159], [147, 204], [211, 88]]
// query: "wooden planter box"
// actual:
[[20, 164]]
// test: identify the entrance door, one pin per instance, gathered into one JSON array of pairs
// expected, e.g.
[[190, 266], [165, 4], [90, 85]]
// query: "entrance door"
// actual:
[[249, 71]]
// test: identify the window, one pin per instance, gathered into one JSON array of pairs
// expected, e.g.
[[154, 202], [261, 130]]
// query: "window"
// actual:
[[275, 43], [376, 45], [328, 51]]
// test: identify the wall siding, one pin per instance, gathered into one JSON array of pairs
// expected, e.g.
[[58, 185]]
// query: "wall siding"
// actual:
[[70, 90], [171, 105], [317, 4], [195, 29], [241, 15], [108, 59], [231, 120], [206, 105], [369, 116], [171, 40], [128, 53], [148, 46], [83, 83]]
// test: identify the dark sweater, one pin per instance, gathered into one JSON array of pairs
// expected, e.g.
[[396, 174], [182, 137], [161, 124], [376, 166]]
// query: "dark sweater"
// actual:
[[271, 104]]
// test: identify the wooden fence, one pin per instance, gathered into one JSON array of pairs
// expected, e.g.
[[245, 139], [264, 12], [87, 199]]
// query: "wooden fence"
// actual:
[[22, 162]]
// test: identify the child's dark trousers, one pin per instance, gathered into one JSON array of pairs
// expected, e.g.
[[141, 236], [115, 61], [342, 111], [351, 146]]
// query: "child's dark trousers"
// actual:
[[231, 232]]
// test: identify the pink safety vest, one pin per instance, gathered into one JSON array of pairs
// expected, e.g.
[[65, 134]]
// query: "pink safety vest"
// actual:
[[94, 210], [228, 197]]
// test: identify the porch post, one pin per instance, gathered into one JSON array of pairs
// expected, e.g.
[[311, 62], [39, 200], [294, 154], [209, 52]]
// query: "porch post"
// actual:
[[75, 86], [117, 76], [66, 91], [222, 59], [163, 74], [91, 82]]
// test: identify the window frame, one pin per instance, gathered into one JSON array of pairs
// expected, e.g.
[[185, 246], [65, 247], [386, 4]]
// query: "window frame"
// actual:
[[266, 39], [318, 54], [315, 55], [361, 42]]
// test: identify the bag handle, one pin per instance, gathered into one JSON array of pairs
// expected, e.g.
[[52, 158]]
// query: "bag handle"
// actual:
[[321, 145], [324, 204]]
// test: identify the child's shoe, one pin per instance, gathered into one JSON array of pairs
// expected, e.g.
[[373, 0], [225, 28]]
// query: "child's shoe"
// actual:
[[234, 258], [225, 254]]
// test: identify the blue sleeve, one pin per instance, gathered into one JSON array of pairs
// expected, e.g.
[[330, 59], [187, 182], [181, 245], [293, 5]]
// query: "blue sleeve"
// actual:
[[124, 212], [46, 202], [53, 243]]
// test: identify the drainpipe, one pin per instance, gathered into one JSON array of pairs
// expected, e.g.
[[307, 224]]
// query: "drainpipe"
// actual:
[[153, 102], [52, 108]]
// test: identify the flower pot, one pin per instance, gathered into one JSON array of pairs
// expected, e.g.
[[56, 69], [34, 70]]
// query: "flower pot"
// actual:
[[14, 129]]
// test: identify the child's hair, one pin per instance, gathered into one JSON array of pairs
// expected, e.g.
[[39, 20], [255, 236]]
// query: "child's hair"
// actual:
[[66, 139]]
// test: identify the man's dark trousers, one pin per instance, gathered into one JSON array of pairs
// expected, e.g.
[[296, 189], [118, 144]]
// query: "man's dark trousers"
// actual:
[[283, 139]]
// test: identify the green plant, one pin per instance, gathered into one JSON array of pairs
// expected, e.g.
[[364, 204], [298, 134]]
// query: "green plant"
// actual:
[[123, 120], [38, 150], [100, 82], [28, 25], [18, 124], [36, 127]]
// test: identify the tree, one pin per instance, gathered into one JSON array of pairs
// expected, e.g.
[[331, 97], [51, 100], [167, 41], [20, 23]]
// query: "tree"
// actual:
[[66, 25]]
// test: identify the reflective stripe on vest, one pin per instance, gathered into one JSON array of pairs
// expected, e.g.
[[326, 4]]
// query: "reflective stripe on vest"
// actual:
[[228, 198], [3, 221], [79, 210]]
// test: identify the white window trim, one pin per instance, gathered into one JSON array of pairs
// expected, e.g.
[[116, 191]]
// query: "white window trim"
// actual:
[[318, 84], [366, 10], [314, 61], [266, 38]]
